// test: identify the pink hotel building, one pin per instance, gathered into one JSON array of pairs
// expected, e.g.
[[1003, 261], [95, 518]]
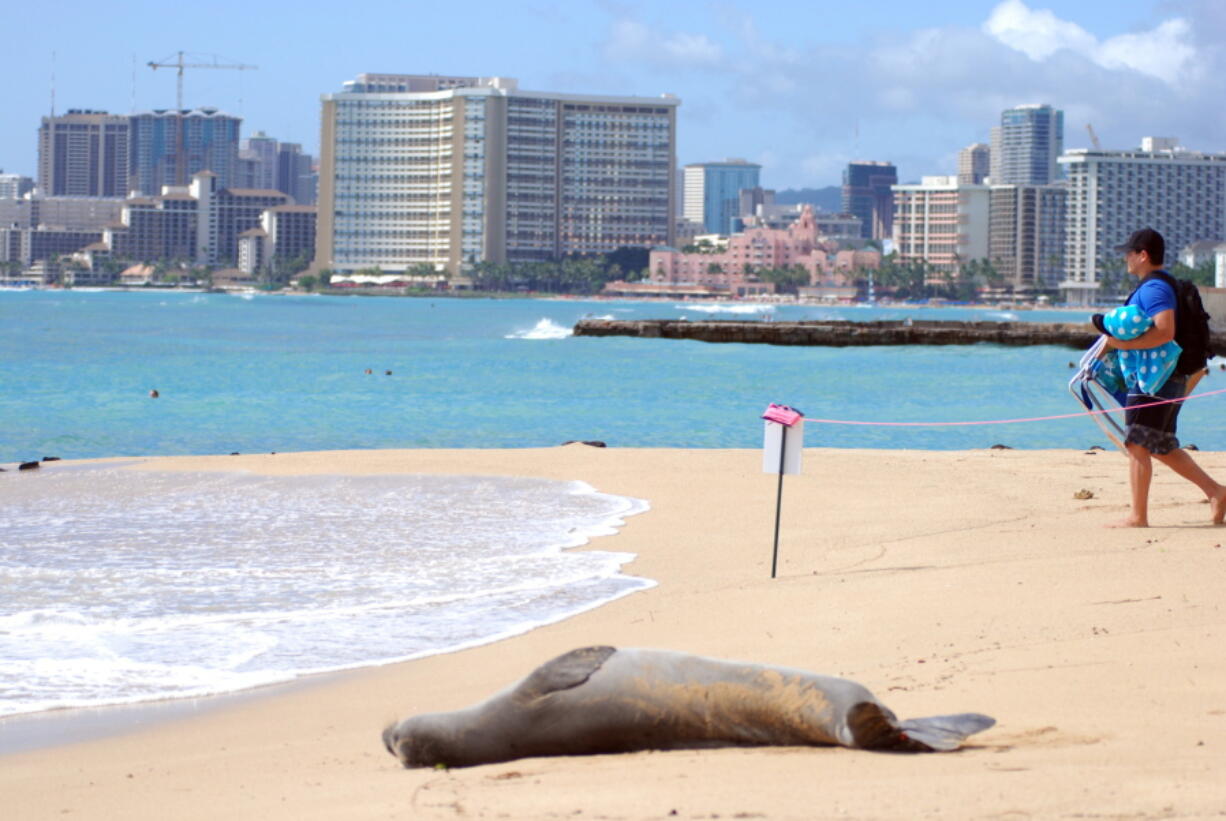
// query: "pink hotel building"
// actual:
[[730, 271]]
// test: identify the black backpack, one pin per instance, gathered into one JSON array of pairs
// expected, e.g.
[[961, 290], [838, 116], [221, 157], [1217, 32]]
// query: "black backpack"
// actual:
[[1191, 324]]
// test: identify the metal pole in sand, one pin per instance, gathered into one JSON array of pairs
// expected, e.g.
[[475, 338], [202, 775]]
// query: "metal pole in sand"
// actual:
[[783, 448]]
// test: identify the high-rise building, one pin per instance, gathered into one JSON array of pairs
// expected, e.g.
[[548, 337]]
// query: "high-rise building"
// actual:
[[974, 164], [452, 171], [1026, 235], [1179, 193], [224, 214], [257, 159], [13, 186], [84, 153], [751, 201], [266, 164], [941, 222], [155, 228], [868, 194], [994, 153], [1026, 145], [291, 231], [296, 174], [169, 146], [712, 192]]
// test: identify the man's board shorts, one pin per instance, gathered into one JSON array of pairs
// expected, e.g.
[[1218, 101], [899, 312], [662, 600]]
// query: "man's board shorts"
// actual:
[[1153, 428]]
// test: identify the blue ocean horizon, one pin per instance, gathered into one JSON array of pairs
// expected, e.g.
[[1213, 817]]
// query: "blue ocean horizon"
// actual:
[[261, 373]]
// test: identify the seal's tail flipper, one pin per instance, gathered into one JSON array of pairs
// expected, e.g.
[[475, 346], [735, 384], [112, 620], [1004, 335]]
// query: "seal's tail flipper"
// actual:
[[940, 733], [875, 728]]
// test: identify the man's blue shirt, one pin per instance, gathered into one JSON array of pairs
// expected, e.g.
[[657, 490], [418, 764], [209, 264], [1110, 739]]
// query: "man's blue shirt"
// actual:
[[1153, 296]]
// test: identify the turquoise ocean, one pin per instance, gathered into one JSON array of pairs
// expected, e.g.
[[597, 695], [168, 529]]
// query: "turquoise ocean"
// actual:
[[117, 586], [279, 373]]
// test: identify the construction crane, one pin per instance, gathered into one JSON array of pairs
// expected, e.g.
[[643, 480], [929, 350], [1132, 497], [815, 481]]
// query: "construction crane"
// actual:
[[1094, 138], [179, 63]]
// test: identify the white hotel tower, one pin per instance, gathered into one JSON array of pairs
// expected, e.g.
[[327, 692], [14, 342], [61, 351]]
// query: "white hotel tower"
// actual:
[[1179, 193], [449, 171]]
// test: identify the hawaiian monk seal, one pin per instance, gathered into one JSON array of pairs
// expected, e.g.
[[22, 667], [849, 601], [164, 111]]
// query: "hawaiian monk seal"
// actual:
[[606, 700]]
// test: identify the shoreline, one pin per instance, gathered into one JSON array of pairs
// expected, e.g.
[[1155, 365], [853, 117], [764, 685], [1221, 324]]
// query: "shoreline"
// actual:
[[770, 302], [550, 532], [944, 581], [66, 726]]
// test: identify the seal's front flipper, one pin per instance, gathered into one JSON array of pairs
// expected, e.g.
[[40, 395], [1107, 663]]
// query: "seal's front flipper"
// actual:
[[562, 673], [940, 733]]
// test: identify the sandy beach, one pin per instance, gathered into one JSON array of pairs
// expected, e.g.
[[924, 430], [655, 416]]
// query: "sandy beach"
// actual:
[[943, 581]]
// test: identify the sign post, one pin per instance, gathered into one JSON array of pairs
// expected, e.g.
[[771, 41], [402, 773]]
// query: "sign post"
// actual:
[[782, 443]]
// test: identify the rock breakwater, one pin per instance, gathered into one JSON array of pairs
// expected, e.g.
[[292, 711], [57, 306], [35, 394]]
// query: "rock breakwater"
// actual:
[[840, 333]]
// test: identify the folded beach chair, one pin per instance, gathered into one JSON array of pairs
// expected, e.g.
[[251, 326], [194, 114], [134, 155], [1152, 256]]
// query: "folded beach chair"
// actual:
[[1090, 387]]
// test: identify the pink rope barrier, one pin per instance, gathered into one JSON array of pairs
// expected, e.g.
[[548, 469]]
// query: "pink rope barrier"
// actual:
[[1006, 421]]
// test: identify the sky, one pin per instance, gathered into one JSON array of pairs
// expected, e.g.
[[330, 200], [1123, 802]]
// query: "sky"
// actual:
[[800, 87]]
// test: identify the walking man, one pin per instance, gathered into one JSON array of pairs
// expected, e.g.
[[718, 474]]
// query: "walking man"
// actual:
[[1150, 431]]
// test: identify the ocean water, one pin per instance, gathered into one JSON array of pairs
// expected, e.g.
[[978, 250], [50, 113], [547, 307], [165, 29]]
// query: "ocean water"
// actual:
[[267, 373], [120, 586], [124, 586]]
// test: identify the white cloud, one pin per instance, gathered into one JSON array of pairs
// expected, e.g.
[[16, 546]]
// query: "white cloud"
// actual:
[[1163, 52], [916, 97], [1036, 33], [627, 39], [692, 48], [630, 40]]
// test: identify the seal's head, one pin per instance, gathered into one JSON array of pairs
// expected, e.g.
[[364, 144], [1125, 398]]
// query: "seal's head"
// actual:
[[391, 741], [1127, 322], [422, 741]]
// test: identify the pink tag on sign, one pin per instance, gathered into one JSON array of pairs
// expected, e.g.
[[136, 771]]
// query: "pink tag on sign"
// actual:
[[782, 414]]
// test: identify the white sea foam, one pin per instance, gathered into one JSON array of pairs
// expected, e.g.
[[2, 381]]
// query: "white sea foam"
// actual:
[[728, 309], [824, 316], [126, 586], [546, 328]]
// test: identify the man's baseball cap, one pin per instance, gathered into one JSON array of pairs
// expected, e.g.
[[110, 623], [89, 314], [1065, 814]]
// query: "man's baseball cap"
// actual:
[[1148, 240]]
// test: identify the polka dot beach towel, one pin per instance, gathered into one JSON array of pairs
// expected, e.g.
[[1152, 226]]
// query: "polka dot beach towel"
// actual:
[[1143, 371]]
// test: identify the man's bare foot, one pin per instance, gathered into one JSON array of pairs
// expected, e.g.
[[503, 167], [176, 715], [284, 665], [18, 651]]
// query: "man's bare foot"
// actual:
[[1218, 506], [1132, 521]]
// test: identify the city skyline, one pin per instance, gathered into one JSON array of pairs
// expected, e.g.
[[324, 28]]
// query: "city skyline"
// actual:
[[940, 75]]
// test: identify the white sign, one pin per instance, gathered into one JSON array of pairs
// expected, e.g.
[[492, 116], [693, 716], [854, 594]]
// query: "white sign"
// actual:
[[781, 441]]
